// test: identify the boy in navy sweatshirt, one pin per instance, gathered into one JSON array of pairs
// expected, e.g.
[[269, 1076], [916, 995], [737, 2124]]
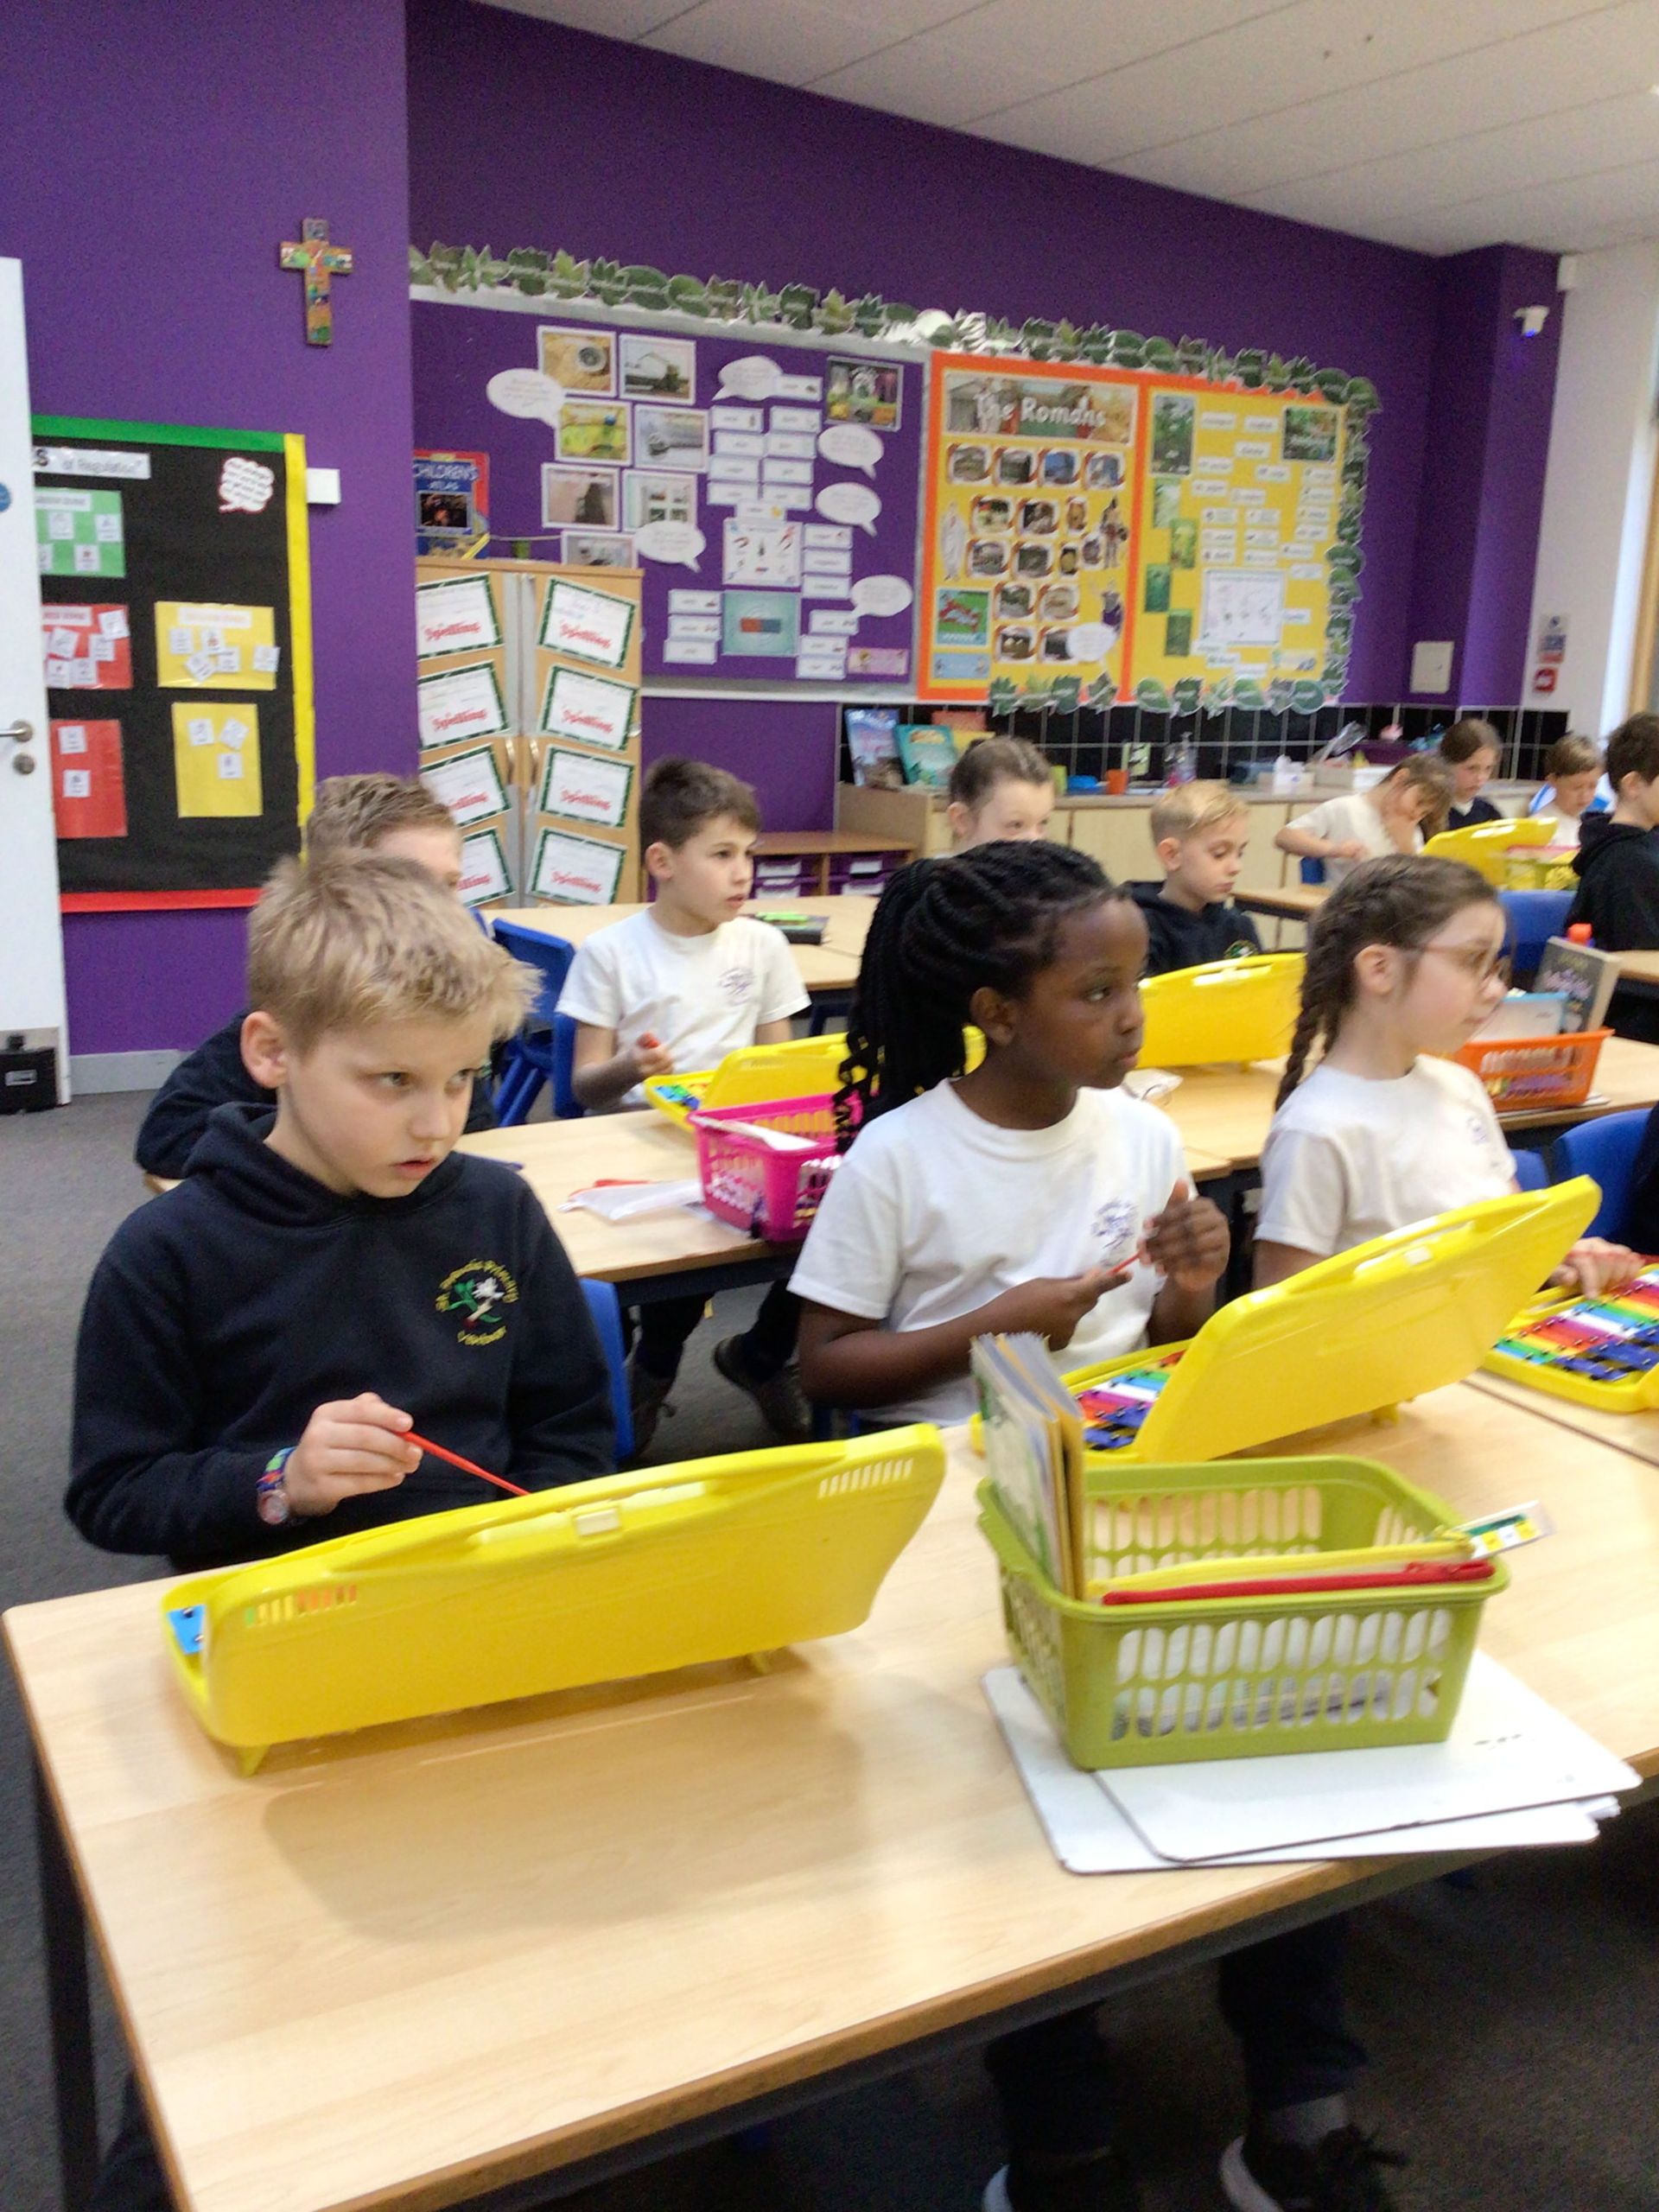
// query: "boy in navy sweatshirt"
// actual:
[[256, 1344], [390, 815], [1199, 832]]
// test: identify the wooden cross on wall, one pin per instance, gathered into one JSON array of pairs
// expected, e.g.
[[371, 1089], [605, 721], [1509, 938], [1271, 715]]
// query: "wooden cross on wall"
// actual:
[[320, 263]]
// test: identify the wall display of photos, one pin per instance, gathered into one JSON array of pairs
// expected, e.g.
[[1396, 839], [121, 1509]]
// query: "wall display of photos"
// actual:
[[1142, 535], [767, 494], [175, 631]]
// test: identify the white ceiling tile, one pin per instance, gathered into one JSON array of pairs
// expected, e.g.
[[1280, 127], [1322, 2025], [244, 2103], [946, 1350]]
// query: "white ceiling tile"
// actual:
[[924, 78], [904, 18], [789, 42], [1524, 78], [627, 19], [1065, 40]]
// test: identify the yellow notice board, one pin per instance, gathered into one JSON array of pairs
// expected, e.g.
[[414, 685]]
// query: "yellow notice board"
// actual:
[[1115, 534], [204, 647], [216, 757]]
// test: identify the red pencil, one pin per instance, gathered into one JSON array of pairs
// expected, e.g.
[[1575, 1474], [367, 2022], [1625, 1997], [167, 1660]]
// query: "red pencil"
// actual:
[[467, 1467]]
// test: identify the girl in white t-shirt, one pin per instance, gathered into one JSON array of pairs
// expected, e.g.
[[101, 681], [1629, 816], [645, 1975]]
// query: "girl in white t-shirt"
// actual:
[[1034, 1193], [1392, 817], [1405, 960]]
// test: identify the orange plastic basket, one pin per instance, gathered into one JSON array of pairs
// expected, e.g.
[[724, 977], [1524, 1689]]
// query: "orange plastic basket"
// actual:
[[1523, 1071]]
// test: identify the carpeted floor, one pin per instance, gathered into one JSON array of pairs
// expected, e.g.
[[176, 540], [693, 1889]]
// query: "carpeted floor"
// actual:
[[1513, 2024]]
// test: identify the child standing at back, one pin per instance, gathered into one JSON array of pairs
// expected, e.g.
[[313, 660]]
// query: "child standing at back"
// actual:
[[678, 985], [1392, 817], [1200, 832], [1000, 788], [1034, 1193], [1405, 960]]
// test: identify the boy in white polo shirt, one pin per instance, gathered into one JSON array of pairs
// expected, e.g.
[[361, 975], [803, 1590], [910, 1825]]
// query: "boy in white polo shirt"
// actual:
[[680, 985]]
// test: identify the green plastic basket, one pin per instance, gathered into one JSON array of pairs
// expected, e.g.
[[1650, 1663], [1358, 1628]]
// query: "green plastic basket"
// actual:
[[1229, 1678]]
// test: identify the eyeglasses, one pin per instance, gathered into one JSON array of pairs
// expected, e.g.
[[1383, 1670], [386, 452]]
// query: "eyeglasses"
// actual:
[[1475, 962]]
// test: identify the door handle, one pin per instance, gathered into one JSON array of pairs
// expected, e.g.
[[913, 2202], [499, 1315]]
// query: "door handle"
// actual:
[[21, 731]]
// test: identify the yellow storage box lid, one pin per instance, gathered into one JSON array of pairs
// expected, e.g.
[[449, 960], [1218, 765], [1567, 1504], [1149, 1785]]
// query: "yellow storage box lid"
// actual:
[[1484, 844], [1223, 1010]]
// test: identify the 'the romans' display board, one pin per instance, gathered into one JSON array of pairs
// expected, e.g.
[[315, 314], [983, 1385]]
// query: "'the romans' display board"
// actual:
[[1144, 534], [767, 491], [175, 613]]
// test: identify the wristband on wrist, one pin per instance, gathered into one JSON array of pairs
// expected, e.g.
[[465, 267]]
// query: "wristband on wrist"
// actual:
[[271, 1494]]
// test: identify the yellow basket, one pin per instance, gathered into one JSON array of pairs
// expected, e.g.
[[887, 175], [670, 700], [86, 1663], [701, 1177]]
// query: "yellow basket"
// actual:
[[1484, 846], [756, 1075], [1406, 1313], [629, 1575], [1568, 1325], [1224, 1010], [1240, 1677], [1547, 872]]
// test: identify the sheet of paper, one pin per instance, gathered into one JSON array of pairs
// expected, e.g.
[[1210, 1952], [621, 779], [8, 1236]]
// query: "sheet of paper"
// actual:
[[1089, 1836], [584, 788], [461, 702], [595, 708], [1508, 1750], [468, 784]]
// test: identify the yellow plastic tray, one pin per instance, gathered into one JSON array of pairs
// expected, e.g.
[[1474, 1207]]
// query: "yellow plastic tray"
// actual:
[[1224, 1010], [1405, 1313], [1483, 845], [627, 1575], [1632, 1393], [756, 1075]]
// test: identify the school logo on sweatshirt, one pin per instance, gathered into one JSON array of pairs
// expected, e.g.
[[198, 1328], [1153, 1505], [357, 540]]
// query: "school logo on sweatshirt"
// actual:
[[479, 1294], [736, 985], [1113, 1228]]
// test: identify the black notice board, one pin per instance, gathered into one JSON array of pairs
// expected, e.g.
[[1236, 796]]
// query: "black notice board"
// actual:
[[175, 614]]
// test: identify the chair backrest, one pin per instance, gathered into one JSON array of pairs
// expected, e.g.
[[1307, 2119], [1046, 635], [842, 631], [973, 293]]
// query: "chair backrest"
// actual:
[[606, 1311], [1605, 1151], [567, 1107], [1531, 919], [550, 955], [1530, 1172], [1313, 871]]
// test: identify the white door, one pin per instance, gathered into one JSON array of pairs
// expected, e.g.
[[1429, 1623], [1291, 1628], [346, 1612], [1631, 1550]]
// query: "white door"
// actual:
[[31, 939]]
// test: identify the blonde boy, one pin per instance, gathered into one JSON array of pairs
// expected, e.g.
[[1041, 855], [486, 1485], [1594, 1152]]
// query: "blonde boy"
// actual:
[[394, 814], [257, 1345], [1200, 832], [679, 985]]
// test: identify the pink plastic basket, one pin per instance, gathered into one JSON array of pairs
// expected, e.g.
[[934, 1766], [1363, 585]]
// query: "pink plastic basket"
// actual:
[[770, 1194]]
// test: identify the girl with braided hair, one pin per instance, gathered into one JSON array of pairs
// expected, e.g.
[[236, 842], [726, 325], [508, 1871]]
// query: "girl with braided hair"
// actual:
[[1034, 1193], [1405, 960], [1031, 1194]]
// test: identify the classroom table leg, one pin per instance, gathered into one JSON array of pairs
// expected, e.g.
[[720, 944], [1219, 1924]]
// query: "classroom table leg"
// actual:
[[64, 1925]]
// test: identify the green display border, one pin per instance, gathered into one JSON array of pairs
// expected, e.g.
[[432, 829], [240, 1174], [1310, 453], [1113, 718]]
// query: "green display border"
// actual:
[[153, 434]]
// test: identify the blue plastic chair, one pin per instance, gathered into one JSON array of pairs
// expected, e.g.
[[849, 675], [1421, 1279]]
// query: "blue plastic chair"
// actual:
[[528, 1059], [1313, 871], [606, 1308], [1605, 1151], [1531, 919], [1530, 1172]]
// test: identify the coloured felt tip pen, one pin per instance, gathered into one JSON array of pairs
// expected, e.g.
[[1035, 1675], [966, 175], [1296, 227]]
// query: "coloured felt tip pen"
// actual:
[[421, 1444], [1411, 1576]]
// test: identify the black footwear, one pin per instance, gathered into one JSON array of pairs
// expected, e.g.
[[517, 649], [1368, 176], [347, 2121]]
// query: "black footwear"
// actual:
[[1339, 2174], [1104, 2182], [647, 1399], [780, 1397]]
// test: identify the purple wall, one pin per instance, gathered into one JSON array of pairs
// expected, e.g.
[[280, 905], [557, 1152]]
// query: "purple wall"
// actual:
[[707, 173], [1484, 469], [152, 160]]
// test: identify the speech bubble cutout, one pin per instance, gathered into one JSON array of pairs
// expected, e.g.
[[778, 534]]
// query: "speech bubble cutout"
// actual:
[[849, 445], [881, 594], [527, 392], [854, 503], [679, 543], [752, 376], [1090, 640]]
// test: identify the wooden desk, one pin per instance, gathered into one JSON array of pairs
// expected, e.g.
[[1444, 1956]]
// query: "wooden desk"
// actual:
[[1226, 1110], [1639, 969], [562, 1937], [1634, 1434], [830, 967], [1292, 902], [664, 1254]]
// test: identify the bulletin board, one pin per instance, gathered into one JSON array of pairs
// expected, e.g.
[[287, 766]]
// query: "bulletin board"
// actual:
[[176, 631], [464, 720], [584, 826], [766, 491], [1148, 536]]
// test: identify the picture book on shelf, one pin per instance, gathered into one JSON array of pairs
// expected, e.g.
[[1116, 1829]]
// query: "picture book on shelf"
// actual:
[[873, 744], [928, 753]]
